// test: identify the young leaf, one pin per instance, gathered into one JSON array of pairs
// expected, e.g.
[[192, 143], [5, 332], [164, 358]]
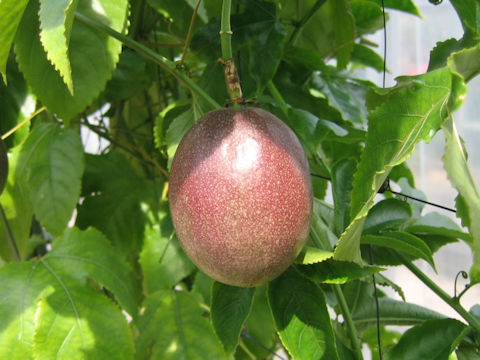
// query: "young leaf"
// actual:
[[52, 167], [93, 56], [56, 20], [401, 241], [301, 317], [229, 310], [75, 322], [173, 326], [11, 12], [402, 116], [459, 174], [88, 254], [434, 339]]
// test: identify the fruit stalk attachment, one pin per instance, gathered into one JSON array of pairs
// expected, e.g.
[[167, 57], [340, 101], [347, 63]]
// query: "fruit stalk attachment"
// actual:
[[232, 80]]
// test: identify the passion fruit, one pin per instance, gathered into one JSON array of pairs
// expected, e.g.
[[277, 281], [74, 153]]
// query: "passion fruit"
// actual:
[[241, 195]]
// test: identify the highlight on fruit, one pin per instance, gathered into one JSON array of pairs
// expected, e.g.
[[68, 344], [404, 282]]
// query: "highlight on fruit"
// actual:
[[241, 195]]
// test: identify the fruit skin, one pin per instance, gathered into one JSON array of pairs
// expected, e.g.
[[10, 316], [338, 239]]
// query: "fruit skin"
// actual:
[[241, 195], [3, 166]]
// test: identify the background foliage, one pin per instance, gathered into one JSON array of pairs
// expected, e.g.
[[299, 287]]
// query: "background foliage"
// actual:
[[90, 266]]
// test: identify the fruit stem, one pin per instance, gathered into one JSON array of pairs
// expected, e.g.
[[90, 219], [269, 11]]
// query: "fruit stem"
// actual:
[[9, 236], [163, 62], [348, 321], [453, 302], [231, 76]]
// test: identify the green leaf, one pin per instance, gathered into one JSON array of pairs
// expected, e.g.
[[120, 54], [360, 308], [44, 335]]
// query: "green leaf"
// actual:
[[53, 167], [229, 310], [11, 12], [407, 6], [336, 272], [88, 254], [17, 207], [401, 241], [173, 326], [301, 317], [458, 172], [342, 176], [345, 31], [56, 20], [434, 339], [387, 214], [75, 322], [162, 259], [321, 233], [368, 16], [366, 56], [92, 54], [268, 48], [438, 224], [392, 312], [312, 255], [399, 118], [466, 62], [467, 11], [39, 300]]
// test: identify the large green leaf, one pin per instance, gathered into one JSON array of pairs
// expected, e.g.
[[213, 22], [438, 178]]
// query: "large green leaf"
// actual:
[[43, 307], [75, 322], [92, 55], [52, 164], [229, 310], [399, 118], [11, 12], [301, 317], [387, 214], [174, 326], [459, 174], [434, 339], [56, 20], [88, 254]]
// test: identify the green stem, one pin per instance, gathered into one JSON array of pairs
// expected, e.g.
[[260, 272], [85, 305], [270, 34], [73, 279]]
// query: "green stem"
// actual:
[[9, 236], [137, 20], [163, 62], [190, 32], [453, 302], [305, 19], [226, 31], [357, 348]]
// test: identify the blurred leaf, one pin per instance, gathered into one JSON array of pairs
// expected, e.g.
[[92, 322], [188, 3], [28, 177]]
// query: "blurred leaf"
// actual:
[[434, 339], [466, 62], [387, 214], [162, 259], [229, 310], [268, 48], [16, 103], [342, 178], [366, 56], [202, 285], [389, 338], [368, 16], [56, 20], [345, 31], [458, 173], [174, 326], [415, 109], [467, 11], [54, 164], [177, 129], [17, 206], [88, 254], [11, 12], [403, 242], [92, 54], [336, 272], [301, 317], [407, 6]]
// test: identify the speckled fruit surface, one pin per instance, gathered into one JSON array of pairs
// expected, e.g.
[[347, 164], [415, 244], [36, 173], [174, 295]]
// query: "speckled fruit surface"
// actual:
[[3, 166], [241, 195]]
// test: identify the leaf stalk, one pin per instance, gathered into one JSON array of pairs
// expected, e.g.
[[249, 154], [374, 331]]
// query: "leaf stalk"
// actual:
[[9, 235]]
